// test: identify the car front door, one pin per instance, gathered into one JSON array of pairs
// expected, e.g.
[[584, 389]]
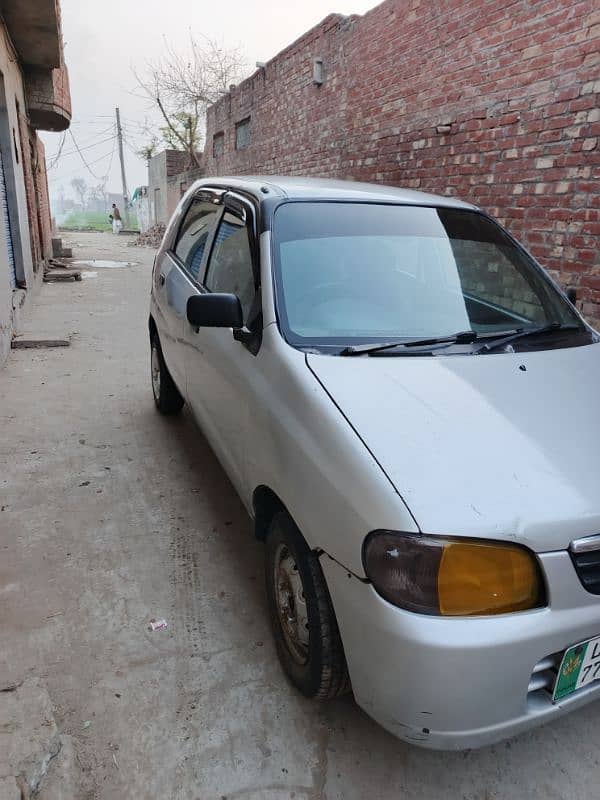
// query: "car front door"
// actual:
[[179, 267], [219, 367]]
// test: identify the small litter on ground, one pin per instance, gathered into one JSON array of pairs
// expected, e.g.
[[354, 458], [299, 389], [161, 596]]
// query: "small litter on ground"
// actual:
[[157, 624]]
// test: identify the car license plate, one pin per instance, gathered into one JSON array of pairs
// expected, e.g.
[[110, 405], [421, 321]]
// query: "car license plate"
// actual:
[[580, 666]]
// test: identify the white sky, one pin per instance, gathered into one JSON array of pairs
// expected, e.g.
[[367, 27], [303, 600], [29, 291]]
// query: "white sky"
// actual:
[[103, 41]]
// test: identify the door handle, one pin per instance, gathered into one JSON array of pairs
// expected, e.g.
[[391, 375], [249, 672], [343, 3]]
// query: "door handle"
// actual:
[[161, 279]]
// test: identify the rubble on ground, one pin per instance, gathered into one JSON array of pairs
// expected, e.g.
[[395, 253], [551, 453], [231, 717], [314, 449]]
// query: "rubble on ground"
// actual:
[[57, 269], [152, 237]]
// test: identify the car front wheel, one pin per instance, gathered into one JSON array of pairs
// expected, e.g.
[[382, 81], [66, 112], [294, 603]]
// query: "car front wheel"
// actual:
[[302, 616], [167, 398]]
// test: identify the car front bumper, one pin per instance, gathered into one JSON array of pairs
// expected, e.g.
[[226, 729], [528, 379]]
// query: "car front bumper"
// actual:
[[459, 683]]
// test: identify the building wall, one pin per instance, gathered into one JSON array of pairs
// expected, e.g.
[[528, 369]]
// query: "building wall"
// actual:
[[49, 97], [498, 103], [157, 182], [27, 158], [22, 112], [141, 207], [36, 189], [43, 197], [166, 172], [178, 184], [12, 302]]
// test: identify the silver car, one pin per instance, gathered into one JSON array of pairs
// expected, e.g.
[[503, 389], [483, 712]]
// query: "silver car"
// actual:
[[407, 405]]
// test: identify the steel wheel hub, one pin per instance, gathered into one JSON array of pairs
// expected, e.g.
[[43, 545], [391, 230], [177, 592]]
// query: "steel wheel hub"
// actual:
[[291, 604]]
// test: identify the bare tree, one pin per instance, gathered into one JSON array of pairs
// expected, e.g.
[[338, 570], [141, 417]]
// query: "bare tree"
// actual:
[[80, 188], [181, 86], [97, 195]]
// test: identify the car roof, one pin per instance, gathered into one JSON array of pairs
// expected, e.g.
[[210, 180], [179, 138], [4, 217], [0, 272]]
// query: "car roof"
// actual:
[[270, 187]]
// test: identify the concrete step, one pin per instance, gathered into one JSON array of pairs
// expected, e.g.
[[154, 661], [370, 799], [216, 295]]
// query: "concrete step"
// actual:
[[62, 274]]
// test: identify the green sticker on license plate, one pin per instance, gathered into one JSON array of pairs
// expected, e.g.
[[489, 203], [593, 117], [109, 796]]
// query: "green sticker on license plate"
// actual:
[[580, 666]]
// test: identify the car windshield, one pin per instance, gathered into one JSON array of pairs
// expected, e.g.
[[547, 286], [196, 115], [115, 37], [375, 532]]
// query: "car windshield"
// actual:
[[350, 273]]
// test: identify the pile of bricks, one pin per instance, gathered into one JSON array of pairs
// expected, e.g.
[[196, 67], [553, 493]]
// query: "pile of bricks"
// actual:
[[152, 237]]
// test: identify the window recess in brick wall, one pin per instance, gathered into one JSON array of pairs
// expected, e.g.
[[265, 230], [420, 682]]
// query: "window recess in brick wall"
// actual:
[[218, 144], [242, 134]]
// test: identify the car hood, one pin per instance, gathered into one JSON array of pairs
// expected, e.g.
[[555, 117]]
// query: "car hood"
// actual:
[[501, 446]]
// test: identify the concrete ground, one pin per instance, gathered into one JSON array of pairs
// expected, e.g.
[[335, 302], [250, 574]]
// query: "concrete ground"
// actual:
[[111, 516]]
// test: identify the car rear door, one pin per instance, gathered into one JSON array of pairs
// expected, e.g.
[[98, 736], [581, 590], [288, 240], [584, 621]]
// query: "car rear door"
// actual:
[[178, 268], [220, 368]]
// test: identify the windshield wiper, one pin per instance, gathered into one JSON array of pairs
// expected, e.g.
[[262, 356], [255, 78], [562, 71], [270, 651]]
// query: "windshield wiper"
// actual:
[[464, 337], [523, 332]]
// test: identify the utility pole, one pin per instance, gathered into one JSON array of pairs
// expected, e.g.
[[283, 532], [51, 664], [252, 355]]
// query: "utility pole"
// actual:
[[123, 179]]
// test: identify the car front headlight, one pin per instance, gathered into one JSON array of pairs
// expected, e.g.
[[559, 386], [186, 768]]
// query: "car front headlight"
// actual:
[[452, 577]]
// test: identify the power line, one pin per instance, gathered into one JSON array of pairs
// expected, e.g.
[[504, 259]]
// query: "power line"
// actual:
[[78, 170], [135, 136], [128, 144], [87, 166], [135, 141], [91, 128], [93, 135], [81, 117], [80, 149], [57, 156], [137, 126], [106, 177]]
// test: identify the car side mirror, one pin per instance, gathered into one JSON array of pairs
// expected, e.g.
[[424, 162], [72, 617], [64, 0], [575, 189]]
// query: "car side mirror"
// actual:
[[572, 295], [215, 310]]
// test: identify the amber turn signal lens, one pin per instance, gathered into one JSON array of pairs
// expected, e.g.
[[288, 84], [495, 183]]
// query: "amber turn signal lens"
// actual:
[[452, 577], [477, 578]]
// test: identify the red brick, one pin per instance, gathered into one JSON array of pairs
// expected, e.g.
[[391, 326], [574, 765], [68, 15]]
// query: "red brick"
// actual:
[[511, 80]]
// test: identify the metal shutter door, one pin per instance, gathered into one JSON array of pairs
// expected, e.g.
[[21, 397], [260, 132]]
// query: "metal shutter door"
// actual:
[[5, 222]]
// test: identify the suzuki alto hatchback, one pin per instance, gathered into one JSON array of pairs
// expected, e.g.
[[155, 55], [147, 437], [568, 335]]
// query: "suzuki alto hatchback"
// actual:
[[407, 405]]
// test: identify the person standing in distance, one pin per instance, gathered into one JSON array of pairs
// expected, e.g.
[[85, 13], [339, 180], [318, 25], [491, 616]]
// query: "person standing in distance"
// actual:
[[117, 222]]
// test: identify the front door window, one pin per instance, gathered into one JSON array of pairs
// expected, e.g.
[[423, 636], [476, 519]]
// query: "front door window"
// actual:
[[193, 236], [230, 268]]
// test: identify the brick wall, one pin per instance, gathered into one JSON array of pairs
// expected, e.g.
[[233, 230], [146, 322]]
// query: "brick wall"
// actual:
[[48, 91], [33, 157], [25, 156], [176, 161], [43, 199], [49, 98], [498, 103]]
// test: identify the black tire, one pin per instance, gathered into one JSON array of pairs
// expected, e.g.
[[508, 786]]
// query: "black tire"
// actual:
[[167, 398], [317, 669]]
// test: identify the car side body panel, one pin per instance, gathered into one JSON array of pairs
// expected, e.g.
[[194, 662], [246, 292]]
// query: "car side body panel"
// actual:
[[220, 372], [302, 448], [172, 291]]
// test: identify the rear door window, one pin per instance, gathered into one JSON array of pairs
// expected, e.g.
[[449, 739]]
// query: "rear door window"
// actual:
[[193, 236]]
